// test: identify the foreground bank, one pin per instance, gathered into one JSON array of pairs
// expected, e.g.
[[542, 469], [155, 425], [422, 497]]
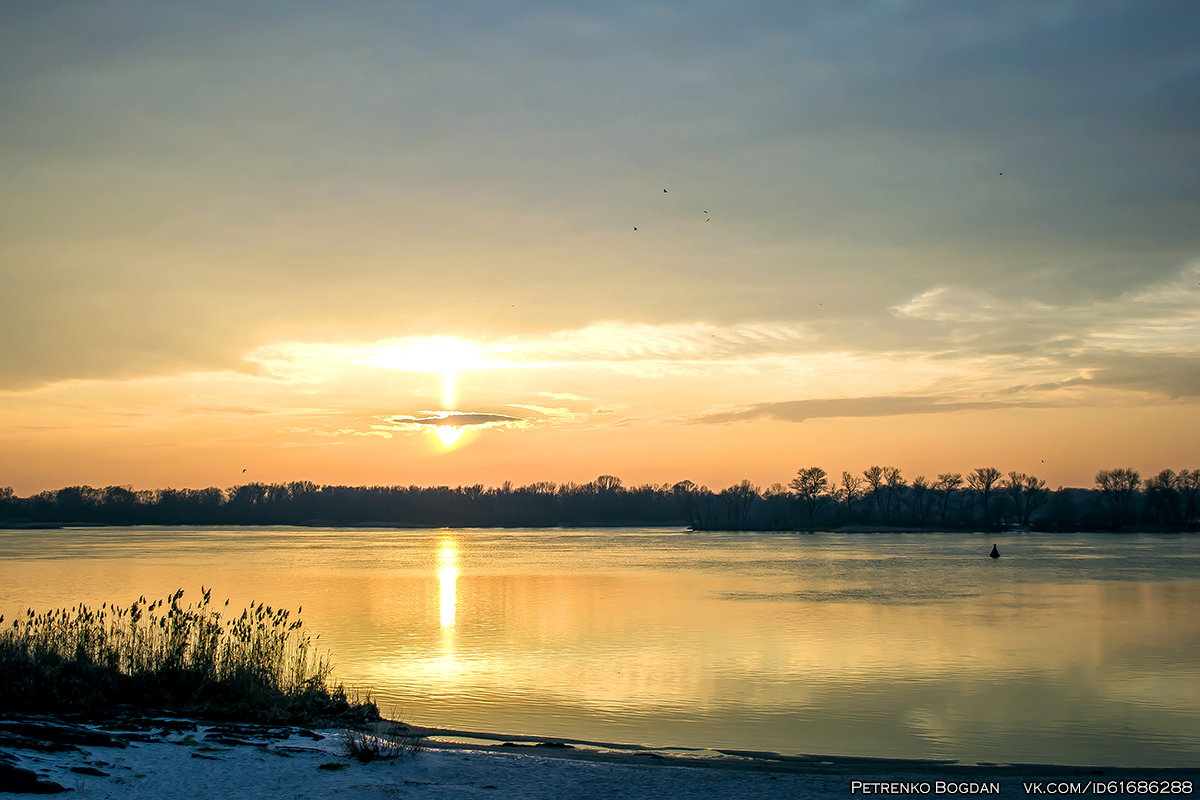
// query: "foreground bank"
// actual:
[[181, 759]]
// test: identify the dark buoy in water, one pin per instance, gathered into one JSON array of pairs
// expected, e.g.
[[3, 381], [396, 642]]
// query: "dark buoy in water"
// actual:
[[995, 553]]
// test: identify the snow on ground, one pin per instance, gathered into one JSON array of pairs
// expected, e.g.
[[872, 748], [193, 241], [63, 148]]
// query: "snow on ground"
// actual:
[[184, 766], [199, 761]]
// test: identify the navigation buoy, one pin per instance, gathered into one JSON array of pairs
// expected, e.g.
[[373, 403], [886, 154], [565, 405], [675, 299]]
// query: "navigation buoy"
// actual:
[[995, 553]]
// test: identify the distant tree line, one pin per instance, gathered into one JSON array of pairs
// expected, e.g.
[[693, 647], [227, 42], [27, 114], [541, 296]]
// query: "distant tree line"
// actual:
[[987, 499], [877, 497]]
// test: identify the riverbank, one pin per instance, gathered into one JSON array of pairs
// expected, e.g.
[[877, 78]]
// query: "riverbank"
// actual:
[[171, 758]]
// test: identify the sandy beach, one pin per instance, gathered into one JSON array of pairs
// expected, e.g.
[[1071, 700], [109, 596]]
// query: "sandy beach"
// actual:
[[173, 759]]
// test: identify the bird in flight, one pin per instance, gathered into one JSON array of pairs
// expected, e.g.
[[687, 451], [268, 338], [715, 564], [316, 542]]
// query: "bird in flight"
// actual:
[[635, 227], [664, 191]]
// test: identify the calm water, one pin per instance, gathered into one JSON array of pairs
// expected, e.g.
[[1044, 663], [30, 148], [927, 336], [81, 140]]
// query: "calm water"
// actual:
[[1068, 649]]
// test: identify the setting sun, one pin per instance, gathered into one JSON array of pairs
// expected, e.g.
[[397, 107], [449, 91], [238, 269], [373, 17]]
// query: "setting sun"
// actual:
[[448, 435]]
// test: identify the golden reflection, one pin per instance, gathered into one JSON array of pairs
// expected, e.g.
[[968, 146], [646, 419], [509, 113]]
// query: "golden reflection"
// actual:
[[447, 578]]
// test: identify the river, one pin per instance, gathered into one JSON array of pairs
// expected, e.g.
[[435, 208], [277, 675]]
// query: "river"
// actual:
[[1068, 649]]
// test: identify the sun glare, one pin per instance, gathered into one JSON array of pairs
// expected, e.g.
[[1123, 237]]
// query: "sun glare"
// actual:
[[447, 357], [433, 354], [448, 435], [449, 391]]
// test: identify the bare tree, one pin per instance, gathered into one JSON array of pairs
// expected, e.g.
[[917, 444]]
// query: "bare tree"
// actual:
[[811, 487], [1027, 493], [875, 481], [779, 502], [685, 493], [1189, 488], [851, 491], [922, 499], [894, 485], [738, 500], [983, 480], [608, 483], [1163, 497], [947, 484], [1118, 486]]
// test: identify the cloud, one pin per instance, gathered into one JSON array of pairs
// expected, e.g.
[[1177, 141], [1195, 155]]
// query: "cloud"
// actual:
[[238, 410], [622, 346], [1175, 376], [563, 396], [454, 418], [552, 414], [1161, 315], [623, 341], [954, 304], [881, 406]]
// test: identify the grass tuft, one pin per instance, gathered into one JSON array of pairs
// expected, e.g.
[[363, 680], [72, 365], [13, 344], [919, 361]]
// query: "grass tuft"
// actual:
[[261, 665], [382, 741]]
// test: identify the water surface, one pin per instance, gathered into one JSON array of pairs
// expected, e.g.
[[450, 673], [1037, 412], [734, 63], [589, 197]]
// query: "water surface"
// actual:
[[1068, 649]]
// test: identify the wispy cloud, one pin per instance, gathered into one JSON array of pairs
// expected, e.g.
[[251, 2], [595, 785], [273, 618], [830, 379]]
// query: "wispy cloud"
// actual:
[[1172, 375], [955, 304], [617, 345], [881, 406]]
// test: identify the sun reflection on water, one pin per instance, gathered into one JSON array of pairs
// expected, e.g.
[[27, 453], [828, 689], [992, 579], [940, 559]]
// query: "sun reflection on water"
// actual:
[[447, 578]]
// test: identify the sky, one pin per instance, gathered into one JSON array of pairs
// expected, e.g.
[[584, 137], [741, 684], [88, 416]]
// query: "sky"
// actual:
[[468, 242]]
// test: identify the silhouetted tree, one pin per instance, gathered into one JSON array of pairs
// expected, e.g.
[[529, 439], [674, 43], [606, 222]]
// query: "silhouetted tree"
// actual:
[[1171, 496], [9, 502], [685, 493], [893, 487], [608, 483], [947, 484], [851, 491], [922, 499], [776, 505], [983, 480], [873, 477], [1163, 497], [1027, 493], [1170, 499], [811, 488], [738, 499], [1118, 487], [1189, 487], [119, 505]]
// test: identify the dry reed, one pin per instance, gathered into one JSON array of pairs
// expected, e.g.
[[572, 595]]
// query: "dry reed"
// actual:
[[260, 665]]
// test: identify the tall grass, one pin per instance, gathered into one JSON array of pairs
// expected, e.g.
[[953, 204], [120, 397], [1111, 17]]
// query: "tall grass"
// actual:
[[260, 665]]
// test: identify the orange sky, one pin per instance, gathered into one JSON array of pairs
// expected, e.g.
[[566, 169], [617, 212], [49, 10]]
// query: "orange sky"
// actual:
[[291, 240]]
